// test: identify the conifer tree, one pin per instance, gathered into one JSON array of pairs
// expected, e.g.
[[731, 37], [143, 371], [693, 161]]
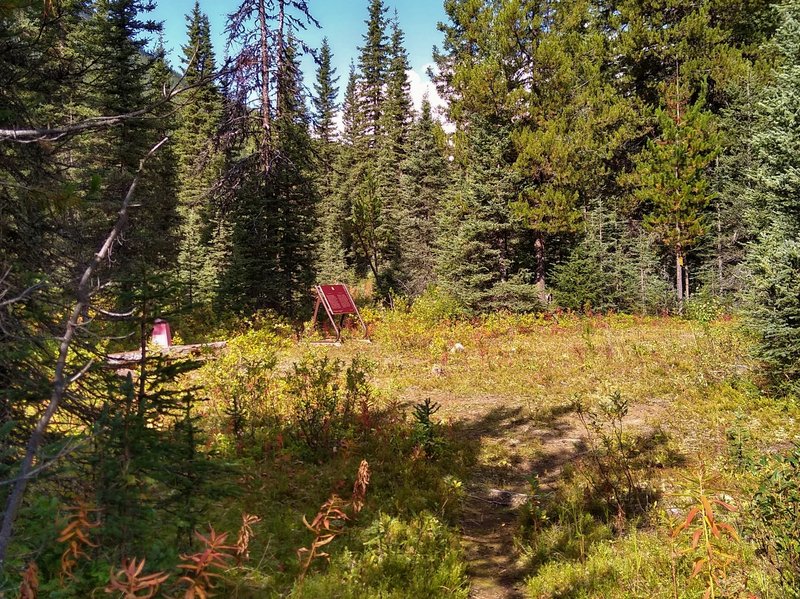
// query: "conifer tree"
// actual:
[[156, 237], [42, 193], [133, 462], [613, 267], [92, 55], [124, 79], [572, 126], [424, 182], [373, 65], [658, 42], [395, 120], [116, 35], [478, 238], [199, 166], [337, 260], [774, 258], [538, 69], [272, 236], [397, 111], [330, 261], [671, 179], [295, 195], [325, 94]]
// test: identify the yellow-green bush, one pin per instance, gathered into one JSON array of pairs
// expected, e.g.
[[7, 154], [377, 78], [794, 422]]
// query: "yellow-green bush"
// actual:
[[242, 385], [397, 559]]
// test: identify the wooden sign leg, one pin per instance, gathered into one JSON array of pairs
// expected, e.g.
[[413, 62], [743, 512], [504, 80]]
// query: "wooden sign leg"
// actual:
[[316, 312], [363, 326], [335, 328]]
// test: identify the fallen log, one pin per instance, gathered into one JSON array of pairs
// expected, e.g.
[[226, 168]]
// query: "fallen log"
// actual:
[[196, 351]]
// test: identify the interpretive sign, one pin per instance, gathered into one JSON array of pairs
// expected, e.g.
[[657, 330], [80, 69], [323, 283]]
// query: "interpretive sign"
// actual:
[[337, 301]]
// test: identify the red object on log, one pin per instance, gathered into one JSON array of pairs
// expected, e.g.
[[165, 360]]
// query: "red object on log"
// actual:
[[162, 336]]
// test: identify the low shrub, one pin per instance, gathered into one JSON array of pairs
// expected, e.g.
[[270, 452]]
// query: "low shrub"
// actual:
[[323, 398], [243, 384], [776, 512], [395, 559], [703, 307]]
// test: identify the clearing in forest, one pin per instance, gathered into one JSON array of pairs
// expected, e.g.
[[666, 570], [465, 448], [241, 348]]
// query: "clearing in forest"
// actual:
[[563, 417]]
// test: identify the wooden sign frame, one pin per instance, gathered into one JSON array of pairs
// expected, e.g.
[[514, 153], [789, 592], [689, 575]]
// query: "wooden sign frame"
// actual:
[[338, 309]]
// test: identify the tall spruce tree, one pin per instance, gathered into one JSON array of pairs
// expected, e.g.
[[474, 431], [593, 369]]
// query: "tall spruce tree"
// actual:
[[774, 257], [373, 65], [397, 111], [295, 197], [271, 238], [424, 181], [199, 166], [337, 258], [124, 79], [478, 237], [368, 166], [395, 120], [330, 261], [325, 94]]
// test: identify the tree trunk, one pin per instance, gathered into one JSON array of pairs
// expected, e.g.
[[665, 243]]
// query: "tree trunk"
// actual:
[[538, 245], [719, 248], [679, 277], [686, 283], [266, 105], [642, 289]]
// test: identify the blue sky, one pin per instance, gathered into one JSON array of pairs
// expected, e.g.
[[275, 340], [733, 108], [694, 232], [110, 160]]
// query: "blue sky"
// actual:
[[342, 22]]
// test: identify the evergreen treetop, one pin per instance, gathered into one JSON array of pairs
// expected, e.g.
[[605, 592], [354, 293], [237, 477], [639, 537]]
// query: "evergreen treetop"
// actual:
[[325, 93]]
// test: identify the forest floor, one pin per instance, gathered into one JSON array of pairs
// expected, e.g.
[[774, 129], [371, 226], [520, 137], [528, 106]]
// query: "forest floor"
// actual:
[[508, 457]]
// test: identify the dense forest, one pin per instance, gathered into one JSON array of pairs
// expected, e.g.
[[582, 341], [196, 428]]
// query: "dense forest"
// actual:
[[598, 163]]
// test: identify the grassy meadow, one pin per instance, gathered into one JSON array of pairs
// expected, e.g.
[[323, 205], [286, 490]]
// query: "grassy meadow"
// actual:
[[558, 456], [539, 456]]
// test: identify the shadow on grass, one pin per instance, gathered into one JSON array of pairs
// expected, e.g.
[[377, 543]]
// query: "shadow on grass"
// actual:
[[572, 508]]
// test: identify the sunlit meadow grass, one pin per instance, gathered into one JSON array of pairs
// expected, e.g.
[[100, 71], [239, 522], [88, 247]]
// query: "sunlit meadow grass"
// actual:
[[687, 382]]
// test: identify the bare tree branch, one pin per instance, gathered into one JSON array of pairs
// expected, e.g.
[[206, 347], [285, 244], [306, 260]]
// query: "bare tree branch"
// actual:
[[81, 372], [60, 381], [114, 315], [67, 449], [34, 135], [21, 296]]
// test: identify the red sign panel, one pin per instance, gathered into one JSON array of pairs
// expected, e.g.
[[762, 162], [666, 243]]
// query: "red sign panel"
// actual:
[[338, 299]]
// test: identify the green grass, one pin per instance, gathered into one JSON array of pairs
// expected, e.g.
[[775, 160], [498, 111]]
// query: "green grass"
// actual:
[[508, 405]]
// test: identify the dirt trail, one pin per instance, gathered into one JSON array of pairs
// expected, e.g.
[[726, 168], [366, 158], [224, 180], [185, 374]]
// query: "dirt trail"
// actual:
[[514, 447], [491, 512]]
